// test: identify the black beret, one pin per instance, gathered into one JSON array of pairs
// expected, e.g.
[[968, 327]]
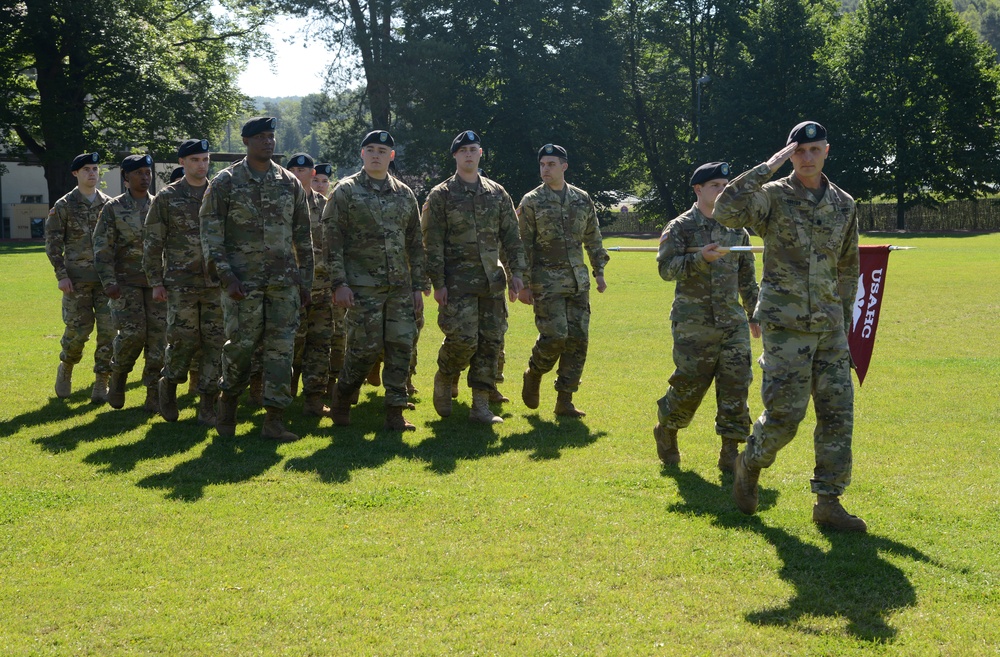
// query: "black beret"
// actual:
[[552, 150], [378, 137], [192, 147], [83, 159], [324, 169], [463, 139], [710, 171], [805, 132], [257, 125], [176, 174], [133, 162], [301, 160]]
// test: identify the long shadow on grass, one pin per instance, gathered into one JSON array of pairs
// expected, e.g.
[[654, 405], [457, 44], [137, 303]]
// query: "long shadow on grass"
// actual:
[[457, 439], [365, 445], [223, 461], [54, 410], [106, 422], [851, 580], [163, 439]]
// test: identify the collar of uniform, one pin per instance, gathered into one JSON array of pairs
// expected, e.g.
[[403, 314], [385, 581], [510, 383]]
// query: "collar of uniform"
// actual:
[[570, 194], [273, 172], [127, 199], [802, 192], [456, 184], [700, 216], [385, 185]]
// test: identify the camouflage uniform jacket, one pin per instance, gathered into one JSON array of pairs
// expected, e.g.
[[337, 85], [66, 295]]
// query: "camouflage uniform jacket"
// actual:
[[69, 232], [320, 238], [118, 241], [374, 236], [555, 233], [464, 231], [810, 248], [257, 231], [706, 291], [172, 254]]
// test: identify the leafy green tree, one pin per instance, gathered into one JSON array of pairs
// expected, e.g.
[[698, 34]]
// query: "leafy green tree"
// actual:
[[521, 73], [774, 80], [363, 35], [921, 92], [120, 76]]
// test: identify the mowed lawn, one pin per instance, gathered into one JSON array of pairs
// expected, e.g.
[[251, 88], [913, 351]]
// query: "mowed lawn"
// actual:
[[121, 534]]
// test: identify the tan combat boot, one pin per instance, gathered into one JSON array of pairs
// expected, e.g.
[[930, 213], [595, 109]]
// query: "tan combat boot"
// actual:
[[225, 422], [529, 391], [99, 393], [116, 389], [565, 407], [314, 406], [829, 513], [273, 428], [410, 390], [442, 394], [168, 399], [152, 403], [340, 408], [206, 410], [480, 410], [727, 454], [394, 420], [64, 380], [666, 445], [497, 397], [257, 389], [745, 484]]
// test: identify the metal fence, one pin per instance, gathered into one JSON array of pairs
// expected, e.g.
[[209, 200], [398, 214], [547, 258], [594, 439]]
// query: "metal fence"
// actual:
[[952, 216]]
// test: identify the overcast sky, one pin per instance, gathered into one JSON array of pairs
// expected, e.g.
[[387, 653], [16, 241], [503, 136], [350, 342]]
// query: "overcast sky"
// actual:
[[298, 66]]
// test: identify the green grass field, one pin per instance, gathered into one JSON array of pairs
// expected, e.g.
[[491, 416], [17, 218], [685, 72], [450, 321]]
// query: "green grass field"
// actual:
[[125, 535]]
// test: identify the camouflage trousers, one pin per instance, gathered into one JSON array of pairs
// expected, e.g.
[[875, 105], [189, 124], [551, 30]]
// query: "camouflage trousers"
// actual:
[[82, 308], [312, 342], [338, 342], [563, 323], [703, 354], [195, 334], [381, 321], [268, 317], [473, 328], [797, 365], [142, 328]]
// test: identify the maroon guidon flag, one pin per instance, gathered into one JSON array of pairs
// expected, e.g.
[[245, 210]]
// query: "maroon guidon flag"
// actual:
[[867, 304]]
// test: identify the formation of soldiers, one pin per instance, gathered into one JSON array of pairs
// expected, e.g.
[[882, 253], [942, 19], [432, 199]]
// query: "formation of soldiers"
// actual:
[[266, 278]]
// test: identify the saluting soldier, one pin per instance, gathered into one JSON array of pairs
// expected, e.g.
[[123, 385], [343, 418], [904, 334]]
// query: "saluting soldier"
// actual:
[[469, 227], [811, 263], [69, 244], [311, 362], [377, 270], [176, 268], [710, 328], [558, 223], [255, 229], [140, 320]]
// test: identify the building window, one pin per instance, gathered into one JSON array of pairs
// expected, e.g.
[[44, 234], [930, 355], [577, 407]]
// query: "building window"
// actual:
[[31, 198]]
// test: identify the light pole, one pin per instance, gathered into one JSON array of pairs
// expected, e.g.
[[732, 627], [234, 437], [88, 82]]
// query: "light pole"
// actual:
[[703, 80]]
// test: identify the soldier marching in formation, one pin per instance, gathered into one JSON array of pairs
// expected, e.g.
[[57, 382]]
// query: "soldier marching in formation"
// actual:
[[269, 265], [469, 227], [710, 329], [69, 230], [140, 320]]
